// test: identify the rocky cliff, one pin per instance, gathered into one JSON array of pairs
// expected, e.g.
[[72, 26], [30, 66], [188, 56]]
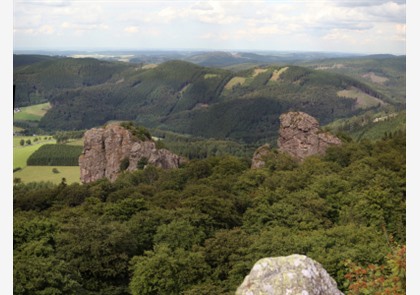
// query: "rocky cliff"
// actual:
[[301, 137], [108, 150], [290, 275]]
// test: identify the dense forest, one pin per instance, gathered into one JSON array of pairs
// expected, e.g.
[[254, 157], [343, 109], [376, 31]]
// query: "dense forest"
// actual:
[[200, 228], [183, 97]]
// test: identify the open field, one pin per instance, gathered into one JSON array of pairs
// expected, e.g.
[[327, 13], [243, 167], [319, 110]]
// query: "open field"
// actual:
[[40, 173], [22, 153], [44, 173], [363, 100], [277, 73], [149, 66], [375, 78], [258, 71], [41, 140], [235, 81], [32, 113], [209, 76]]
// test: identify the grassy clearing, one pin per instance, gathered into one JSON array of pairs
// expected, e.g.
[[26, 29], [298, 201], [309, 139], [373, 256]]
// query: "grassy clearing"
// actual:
[[41, 140], [209, 76], [375, 78], [22, 153], [363, 100], [44, 173], [258, 71], [149, 66], [182, 91], [235, 81], [32, 113], [277, 73]]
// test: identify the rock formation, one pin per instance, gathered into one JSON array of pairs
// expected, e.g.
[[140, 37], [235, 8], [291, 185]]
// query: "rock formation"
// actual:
[[290, 275], [106, 148], [258, 157], [301, 137]]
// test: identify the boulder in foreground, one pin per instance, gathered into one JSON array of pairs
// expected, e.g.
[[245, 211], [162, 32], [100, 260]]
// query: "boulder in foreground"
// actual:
[[288, 275]]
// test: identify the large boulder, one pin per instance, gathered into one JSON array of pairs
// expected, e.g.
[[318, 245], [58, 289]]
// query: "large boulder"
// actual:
[[106, 148], [301, 137], [290, 275]]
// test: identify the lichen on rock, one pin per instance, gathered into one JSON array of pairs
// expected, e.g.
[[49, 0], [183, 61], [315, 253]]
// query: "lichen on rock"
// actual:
[[288, 275], [104, 150], [301, 137]]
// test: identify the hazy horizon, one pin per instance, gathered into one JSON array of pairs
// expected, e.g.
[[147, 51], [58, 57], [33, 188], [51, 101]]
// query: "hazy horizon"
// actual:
[[360, 27]]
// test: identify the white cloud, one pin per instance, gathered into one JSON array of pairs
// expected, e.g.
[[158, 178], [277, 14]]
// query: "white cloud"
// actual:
[[46, 29], [363, 3], [131, 29], [202, 6], [389, 11], [196, 24], [50, 3], [84, 27]]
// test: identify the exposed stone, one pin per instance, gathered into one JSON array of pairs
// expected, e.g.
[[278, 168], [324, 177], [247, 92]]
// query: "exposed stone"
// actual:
[[301, 137], [290, 275], [105, 148], [258, 157]]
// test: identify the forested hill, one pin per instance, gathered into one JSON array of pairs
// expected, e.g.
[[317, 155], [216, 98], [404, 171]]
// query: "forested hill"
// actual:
[[51, 77], [186, 98], [200, 228], [28, 59]]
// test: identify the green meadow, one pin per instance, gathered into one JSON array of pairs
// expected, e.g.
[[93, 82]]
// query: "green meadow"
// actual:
[[32, 113], [45, 173], [22, 153], [39, 173]]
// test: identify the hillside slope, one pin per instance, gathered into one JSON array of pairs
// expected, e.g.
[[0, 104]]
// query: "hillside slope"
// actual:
[[187, 98]]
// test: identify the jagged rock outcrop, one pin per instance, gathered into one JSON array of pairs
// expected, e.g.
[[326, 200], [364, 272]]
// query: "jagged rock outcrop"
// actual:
[[301, 137], [290, 275], [105, 148], [258, 157]]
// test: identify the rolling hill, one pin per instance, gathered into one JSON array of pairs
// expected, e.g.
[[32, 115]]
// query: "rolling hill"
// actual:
[[385, 73], [184, 97]]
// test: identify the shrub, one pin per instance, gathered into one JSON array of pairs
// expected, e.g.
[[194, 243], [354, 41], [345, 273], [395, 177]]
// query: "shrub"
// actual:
[[141, 163], [124, 164]]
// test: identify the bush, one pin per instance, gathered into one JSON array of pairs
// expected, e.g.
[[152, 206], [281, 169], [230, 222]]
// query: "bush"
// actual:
[[124, 164], [138, 132], [141, 163]]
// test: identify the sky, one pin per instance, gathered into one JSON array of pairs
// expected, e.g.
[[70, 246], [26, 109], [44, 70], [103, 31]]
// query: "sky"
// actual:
[[356, 26]]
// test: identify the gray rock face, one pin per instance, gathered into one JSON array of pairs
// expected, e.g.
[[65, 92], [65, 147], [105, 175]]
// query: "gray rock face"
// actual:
[[290, 275], [105, 148], [301, 137]]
